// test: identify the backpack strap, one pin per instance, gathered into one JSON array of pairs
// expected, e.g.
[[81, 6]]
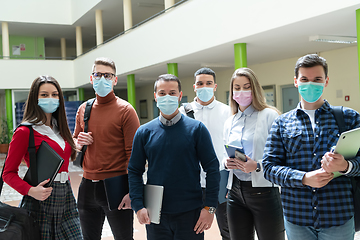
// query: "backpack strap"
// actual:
[[32, 156], [87, 112], [189, 110], [337, 111]]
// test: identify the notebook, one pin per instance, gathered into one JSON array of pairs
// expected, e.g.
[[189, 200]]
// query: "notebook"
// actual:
[[153, 196], [116, 188], [48, 163]]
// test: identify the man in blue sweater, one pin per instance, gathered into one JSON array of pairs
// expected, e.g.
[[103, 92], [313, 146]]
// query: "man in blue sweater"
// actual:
[[174, 145]]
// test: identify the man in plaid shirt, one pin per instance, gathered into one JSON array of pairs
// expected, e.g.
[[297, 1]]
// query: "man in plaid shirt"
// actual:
[[297, 157]]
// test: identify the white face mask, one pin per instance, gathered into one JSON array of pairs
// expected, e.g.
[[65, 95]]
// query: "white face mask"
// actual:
[[167, 104], [205, 93]]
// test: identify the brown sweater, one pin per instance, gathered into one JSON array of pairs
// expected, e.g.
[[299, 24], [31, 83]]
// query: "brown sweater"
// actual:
[[113, 123]]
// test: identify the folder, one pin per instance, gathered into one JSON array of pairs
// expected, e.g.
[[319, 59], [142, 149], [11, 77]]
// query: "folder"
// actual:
[[48, 163], [224, 175], [153, 197], [116, 188]]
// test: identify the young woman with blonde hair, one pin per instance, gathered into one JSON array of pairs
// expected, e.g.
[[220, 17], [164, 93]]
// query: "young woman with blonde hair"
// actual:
[[253, 202]]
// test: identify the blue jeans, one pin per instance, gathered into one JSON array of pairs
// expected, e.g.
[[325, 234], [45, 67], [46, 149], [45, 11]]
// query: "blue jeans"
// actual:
[[343, 232]]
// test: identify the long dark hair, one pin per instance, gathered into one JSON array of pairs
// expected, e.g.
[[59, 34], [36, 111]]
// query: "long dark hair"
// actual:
[[34, 114]]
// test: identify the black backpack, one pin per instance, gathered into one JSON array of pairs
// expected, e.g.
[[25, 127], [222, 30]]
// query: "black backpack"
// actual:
[[337, 111]]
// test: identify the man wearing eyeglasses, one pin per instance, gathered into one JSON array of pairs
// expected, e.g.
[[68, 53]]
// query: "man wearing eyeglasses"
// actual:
[[111, 129]]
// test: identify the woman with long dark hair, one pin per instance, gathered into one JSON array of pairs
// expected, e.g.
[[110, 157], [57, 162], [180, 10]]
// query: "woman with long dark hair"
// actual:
[[57, 214], [253, 202]]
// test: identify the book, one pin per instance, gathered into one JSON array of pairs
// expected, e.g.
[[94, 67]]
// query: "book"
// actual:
[[153, 196], [48, 163], [116, 188]]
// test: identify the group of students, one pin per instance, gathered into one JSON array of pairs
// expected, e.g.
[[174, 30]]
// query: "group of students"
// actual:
[[186, 154]]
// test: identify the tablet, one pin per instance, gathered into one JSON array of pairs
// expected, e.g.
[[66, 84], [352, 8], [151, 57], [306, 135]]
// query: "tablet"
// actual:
[[348, 143]]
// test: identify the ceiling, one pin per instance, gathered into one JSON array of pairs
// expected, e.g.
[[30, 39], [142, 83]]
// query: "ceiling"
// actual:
[[285, 42]]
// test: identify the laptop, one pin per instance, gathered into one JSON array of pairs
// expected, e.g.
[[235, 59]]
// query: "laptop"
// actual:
[[153, 196]]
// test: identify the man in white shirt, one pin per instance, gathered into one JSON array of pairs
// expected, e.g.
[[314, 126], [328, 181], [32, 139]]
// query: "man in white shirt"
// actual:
[[213, 115]]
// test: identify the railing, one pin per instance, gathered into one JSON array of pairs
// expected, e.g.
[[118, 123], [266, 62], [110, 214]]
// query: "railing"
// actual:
[[108, 40]]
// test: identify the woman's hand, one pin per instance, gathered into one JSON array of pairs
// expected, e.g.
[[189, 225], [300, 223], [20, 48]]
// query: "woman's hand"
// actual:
[[248, 166], [40, 192]]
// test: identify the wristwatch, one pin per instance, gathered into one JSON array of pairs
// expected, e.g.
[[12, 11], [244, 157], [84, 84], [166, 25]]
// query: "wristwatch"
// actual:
[[211, 210], [258, 167]]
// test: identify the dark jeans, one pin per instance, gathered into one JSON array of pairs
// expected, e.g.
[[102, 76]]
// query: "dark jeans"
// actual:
[[93, 208], [221, 218], [178, 226], [251, 208]]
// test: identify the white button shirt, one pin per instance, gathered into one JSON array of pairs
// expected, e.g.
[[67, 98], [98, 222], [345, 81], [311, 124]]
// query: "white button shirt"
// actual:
[[213, 116]]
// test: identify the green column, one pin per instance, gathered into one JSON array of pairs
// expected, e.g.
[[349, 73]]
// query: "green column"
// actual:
[[81, 94], [131, 90], [358, 36], [240, 56], [9, 113], [173, 69]]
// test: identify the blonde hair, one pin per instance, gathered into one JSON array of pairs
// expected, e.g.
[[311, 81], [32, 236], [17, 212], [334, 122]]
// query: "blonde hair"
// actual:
[[258, 101]]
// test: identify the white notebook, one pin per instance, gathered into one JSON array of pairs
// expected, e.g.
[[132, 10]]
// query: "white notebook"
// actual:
[[153, 197]]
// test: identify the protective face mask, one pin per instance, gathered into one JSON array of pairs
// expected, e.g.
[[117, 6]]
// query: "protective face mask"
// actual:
[[205, 93], [243, 98], [102, 87], [167, 104], [310, 91], [48, 105]]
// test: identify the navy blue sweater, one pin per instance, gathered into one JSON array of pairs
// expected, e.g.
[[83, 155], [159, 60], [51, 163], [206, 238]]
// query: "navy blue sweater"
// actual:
[[173, 154]]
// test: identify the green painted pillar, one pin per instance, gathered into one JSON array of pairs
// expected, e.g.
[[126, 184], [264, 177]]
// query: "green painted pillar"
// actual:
[[81, 94], [173, 69], [240, 56], [358, 37], [9, 113], [131, 90]]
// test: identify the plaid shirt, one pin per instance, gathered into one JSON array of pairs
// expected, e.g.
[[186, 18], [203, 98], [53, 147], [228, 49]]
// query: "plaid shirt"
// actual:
[[292, 149]]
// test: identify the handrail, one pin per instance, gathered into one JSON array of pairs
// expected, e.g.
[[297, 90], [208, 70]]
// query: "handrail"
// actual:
[[108, 40], [135, 26]]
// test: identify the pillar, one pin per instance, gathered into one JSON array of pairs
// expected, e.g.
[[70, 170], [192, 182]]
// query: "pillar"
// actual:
[[5, 40], [127, 14], [99, 27], [131, 90], [173, 69], [9, 112], [63, 48], [169, 3], [240, 55], [358, 37], [79, 47], [81, 94]]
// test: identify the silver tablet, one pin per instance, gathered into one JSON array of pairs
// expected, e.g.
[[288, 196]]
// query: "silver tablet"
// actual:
[[348, 143]]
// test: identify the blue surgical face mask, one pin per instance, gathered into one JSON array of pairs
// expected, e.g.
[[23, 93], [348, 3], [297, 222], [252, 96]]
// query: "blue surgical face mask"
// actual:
[[310, 91], [102, 86], [48, 105], [167, 104], [205, 93]]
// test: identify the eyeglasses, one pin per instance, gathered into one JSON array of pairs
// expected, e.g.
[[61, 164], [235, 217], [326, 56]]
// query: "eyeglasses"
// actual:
[[107, 76]]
